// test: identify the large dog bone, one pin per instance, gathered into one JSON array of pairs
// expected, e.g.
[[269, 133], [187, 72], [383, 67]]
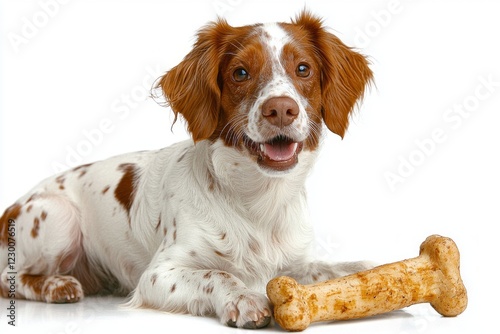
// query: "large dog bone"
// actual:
[[432, 277]]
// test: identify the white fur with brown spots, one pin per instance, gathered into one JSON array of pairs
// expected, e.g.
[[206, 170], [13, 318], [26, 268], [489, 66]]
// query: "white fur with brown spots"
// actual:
[[203, 225]]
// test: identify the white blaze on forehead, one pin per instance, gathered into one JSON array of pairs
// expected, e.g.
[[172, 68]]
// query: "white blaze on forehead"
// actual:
[[274, 38]]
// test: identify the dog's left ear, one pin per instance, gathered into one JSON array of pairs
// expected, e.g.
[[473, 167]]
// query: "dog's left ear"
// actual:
[[344, 75], [191, 88]]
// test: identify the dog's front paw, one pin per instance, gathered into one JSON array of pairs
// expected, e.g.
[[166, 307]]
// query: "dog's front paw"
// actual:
[[249, 310]]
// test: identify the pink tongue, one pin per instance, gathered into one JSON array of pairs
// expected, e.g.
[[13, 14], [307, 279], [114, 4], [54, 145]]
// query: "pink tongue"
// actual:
[[280, 151]]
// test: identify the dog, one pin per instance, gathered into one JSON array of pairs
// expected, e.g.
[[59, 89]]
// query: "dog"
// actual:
[[200, 226]]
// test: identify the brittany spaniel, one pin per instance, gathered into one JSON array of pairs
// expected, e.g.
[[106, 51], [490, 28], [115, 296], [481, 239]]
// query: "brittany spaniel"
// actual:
[[200, 226]]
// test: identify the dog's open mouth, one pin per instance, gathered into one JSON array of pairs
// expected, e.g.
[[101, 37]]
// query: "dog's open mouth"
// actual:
[[279, 154]]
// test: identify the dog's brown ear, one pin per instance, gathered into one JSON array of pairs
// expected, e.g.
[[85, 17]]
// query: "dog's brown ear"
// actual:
[[191, 88], [344, 75]]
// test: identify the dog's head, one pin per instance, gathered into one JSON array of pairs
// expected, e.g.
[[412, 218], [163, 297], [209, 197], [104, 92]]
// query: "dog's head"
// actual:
[[266, 89]]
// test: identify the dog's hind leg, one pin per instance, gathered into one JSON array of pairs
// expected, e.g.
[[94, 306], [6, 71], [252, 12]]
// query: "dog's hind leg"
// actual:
[[40, 243]]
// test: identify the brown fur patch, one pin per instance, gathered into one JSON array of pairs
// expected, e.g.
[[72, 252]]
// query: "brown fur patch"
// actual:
[[208, 289], [154, 277], [125, 190], [219, 254], [34, 283], [36, 227], [9, 215], [60, 181], [211, 182], [81, 167], [32, 198], [158, 225]]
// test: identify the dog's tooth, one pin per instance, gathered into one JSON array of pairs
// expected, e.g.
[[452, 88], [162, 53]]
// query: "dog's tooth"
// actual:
[[262, 147]]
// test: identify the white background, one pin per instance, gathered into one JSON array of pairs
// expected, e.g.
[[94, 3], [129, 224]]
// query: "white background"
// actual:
[[74, 70]]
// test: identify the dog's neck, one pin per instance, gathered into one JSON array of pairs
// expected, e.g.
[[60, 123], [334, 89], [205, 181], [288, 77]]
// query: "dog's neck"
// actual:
[[261, 194]]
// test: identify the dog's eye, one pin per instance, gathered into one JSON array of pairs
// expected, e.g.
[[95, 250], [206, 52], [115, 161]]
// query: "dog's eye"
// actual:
[[240, 75], [303, 71]]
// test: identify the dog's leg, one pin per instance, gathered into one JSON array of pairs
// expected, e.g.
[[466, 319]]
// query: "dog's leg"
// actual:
[[170, 287], [41, 243], [317, 271]]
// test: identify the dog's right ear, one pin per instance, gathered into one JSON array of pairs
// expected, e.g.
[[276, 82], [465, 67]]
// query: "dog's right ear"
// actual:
[[344, 73], [191, 88]]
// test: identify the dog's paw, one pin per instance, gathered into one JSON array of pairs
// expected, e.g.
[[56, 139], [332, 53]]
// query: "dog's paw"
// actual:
[[62, 289], [249, 310]]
